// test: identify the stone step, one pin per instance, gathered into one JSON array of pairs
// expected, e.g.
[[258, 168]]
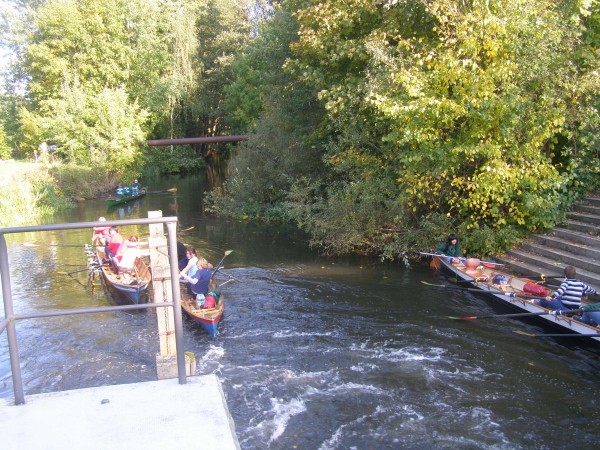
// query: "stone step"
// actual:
[[592, 201], [576, 248], [588, 209], [528, 264], [575, 236], [585, 218], [583, 227], [584, 262]]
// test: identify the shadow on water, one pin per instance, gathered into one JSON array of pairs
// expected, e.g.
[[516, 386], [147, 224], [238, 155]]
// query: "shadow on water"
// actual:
[[313, 352]]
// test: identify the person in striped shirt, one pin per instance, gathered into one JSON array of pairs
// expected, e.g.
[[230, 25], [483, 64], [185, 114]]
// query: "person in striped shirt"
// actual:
[[569, 293]]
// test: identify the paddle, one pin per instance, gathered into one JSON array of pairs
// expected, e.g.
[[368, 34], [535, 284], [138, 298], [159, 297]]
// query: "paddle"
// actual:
[[75, 271], [483, 262], [557, 334], [29, 244], [227, 253], [541, 313], [173, 189], [510, 294]]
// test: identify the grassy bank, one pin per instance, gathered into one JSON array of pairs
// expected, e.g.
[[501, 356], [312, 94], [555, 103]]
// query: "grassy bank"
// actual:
[[29, 194]]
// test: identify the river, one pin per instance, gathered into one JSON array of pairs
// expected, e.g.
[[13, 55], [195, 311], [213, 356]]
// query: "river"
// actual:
[[313, 353]]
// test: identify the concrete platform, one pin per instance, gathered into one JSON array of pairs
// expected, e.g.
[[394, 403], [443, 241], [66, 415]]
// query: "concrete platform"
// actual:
[[151, 415]]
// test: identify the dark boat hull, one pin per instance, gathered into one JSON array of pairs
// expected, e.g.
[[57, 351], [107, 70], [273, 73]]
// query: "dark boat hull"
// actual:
[[130, 286], [112, 201], [481, 279]]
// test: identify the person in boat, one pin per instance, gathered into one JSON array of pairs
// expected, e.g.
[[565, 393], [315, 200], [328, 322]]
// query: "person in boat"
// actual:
[[127, 253], [450, 248], [569, 293], [200, 281], [181, 255], [116, 239], [127, 191], [136, 187], [119, 192], [191, 267], [101, 234]]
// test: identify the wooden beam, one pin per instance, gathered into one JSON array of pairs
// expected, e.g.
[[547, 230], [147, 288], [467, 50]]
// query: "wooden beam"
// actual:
[[196, 140]]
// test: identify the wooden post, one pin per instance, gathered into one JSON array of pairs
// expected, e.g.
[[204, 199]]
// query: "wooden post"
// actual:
[[166, 360]]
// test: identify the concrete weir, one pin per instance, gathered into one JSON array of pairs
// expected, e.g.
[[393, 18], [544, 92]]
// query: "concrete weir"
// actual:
[[149, 415]]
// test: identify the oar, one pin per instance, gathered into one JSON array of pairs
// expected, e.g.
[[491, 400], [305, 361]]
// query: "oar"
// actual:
[[173, 189], [29, 244], [557, 334], [75, 271], [227, 253], [483, 262], [509, 294], [541, 313], [542, 277]]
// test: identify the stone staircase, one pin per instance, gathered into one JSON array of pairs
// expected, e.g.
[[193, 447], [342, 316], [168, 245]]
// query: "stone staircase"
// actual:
[[575, 243]]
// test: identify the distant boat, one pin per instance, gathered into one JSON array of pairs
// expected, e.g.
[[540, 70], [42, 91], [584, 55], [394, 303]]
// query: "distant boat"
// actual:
[[131, 285], [113, 201], [209, 318]]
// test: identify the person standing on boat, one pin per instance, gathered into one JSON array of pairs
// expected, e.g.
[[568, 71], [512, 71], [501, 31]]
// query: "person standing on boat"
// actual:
[[201, 279], [450, 248], [569, 293]]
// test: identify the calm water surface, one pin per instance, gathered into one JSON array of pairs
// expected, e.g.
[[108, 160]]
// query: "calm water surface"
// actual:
[[313, 353]]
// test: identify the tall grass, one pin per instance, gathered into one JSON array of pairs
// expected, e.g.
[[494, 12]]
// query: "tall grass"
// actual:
[[31, 200]]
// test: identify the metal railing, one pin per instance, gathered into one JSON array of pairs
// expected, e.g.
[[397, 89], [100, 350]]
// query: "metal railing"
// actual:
[[9, 322]]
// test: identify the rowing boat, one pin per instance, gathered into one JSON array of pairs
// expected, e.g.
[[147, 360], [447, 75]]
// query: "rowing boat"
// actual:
[[516, 292], [113, 201], [209, 318], [131, 284]]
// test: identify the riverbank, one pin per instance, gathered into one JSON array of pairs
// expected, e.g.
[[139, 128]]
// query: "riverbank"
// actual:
[[28, 193]]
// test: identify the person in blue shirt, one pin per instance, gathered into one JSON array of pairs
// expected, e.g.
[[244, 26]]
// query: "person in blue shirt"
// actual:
[[200, 281], [119, 192], [569, 293]]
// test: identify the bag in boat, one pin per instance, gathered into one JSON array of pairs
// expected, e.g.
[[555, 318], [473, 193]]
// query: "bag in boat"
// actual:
[[209, 301], [500, 279], [535, 289]]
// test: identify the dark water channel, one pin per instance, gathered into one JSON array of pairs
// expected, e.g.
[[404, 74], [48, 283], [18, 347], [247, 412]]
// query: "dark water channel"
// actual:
[[313, 353]]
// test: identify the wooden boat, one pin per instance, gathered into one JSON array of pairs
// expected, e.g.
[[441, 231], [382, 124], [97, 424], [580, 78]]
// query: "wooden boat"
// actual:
[[132, 285], [517, 293], [113, 201], [209, 318]]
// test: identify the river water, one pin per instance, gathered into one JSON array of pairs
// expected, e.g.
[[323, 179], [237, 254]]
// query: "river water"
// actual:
[[313, 353]]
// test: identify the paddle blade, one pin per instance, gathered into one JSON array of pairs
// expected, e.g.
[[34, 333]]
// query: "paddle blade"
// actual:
[[431, 284], [462, 318], [228, 252], [523, 333]]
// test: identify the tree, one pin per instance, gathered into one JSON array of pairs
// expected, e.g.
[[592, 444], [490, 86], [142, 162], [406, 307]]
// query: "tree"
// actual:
[[130, 59]]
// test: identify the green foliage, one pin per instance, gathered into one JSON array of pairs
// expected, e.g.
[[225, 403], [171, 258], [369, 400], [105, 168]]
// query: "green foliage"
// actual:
[[98, 76], [179, 159], [5, 150], [100, 130], [82, 181], [223, 32], [31, 201]]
